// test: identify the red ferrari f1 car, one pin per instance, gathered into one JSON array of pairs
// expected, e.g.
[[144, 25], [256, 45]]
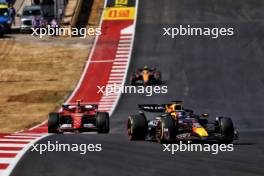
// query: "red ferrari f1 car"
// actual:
[[78, 117], [146, 76]]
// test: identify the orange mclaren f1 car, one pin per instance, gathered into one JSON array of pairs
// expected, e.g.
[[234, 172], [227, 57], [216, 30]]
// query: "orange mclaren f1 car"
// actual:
[[146, 76]]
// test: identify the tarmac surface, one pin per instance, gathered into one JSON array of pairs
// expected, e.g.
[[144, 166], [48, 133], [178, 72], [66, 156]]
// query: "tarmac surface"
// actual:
[[222, 76]]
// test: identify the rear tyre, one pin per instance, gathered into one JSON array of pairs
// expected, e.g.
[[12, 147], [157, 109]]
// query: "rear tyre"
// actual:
[[137, 127], [1, 33], [224, 125], [157, 76], [166, 130], [53, 122], [103, 122], [133, 80]]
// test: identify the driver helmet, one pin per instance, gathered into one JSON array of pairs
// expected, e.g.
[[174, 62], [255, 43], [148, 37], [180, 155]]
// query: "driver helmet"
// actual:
[[145, 67], [181, 114]]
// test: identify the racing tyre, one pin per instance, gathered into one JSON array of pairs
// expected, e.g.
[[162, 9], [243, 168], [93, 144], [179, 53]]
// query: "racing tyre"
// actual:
[[1, 30], [53, 122], [137, 127], [157, 76], [103, 122], [133, 80], [166, 130], [224, 125]]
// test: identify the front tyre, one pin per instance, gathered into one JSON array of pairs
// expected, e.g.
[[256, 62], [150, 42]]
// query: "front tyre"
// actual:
[[166, 130], [53, 122], [133, 79], [224, 126], [103, 122], [157, 76], [137, 127]]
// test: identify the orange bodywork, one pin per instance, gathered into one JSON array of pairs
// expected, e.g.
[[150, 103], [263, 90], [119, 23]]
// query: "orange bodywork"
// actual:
[[145, 75], [200, 131]]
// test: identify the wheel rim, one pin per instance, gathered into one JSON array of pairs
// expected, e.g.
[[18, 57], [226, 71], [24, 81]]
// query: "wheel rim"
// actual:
[[129, 129], [159, 133]]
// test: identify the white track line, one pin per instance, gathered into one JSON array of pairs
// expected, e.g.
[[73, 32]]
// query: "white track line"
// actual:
[[116, 74], [117, 67], [116, 79], [121, 59], [127, 37], [122, 55], [122, 52], [121, 62], [16, 140], [110, 97], [27, 134], [118, 82], [114, 84], [125, 40], [100, 61], [123, 45], [106, 100], [118, 71], [19, 137], [13, 145], [123, 48], [105, 103], [9, 151], [6, 160], [105, 106], [105, 109]]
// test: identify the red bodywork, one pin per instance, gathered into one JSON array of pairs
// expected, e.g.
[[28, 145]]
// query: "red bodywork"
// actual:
[[76, 112]]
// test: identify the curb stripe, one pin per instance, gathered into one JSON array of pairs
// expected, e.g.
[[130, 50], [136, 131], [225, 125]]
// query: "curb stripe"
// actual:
[[8, 155], [3, 165]]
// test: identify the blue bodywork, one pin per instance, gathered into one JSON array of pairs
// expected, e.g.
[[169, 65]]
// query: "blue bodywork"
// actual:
[[5, 19]]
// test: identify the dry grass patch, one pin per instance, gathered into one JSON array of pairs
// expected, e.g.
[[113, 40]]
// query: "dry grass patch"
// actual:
[[35, 78]]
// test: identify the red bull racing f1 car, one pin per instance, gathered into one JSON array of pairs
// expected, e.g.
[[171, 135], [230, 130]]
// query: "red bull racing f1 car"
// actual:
[[78, 117], [178, 124]]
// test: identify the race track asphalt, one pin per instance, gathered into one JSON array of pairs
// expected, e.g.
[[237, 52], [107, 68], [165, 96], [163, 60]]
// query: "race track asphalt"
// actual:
[[221, 76]]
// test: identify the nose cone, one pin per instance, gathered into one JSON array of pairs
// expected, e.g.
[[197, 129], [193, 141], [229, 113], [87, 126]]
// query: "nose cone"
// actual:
[[77, 121], [145, 76]]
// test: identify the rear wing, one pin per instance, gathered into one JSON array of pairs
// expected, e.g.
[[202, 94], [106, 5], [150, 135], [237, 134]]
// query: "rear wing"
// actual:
[[152, 107], [83, 106]]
